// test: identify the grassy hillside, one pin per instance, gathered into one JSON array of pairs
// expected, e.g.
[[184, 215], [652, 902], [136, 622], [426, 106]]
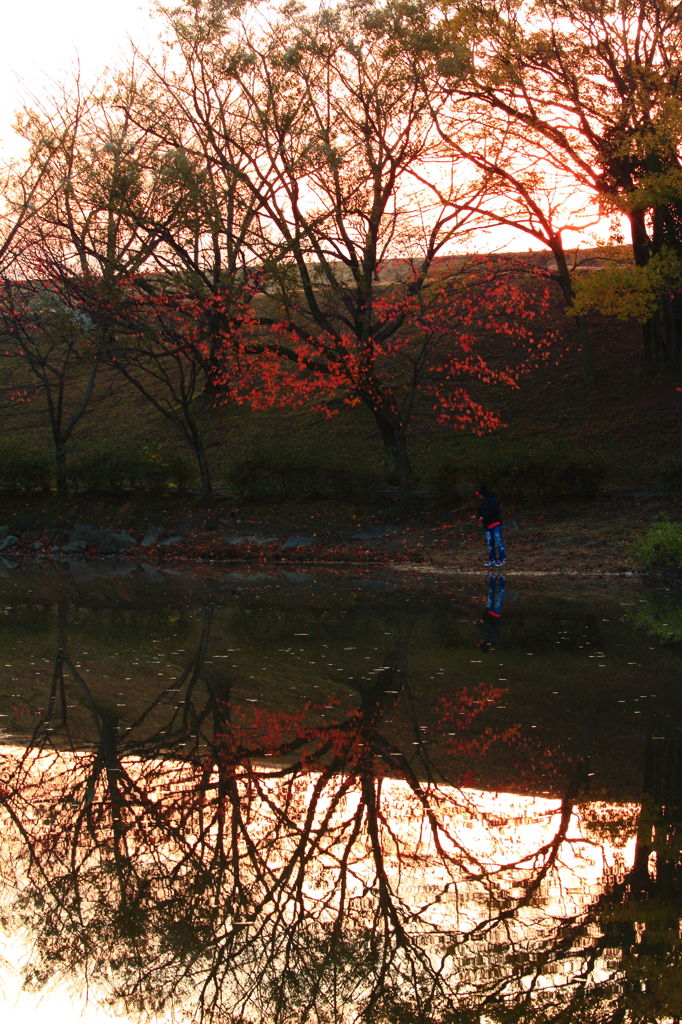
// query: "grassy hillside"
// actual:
[[625, 426]]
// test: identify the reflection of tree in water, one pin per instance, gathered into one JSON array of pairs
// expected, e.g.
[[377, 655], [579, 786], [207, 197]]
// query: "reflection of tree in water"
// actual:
[[658, 613], [641, 915], [620, 959], [243, 864]]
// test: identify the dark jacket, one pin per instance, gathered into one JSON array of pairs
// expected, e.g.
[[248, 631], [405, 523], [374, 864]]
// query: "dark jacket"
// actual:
[[489, 511]]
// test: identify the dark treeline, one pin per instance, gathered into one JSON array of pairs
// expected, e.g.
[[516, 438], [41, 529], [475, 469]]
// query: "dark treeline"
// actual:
[[266, 211]]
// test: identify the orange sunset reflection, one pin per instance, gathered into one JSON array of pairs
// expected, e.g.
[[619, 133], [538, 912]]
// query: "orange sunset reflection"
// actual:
[[184, 890]]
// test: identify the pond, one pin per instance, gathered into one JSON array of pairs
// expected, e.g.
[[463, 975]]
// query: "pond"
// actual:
[[335, 797]]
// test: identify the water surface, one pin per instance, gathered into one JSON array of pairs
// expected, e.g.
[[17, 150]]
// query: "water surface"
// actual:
[[332, 797]]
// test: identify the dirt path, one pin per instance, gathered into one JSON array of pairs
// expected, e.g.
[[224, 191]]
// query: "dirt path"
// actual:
[[589, 539]]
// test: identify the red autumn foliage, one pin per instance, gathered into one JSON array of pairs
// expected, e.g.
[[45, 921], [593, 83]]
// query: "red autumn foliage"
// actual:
[[427, 352]]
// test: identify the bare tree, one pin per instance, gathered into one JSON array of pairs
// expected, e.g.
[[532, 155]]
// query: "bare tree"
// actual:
[[328, 132], [53, 350], [118, 196], [599, 86]]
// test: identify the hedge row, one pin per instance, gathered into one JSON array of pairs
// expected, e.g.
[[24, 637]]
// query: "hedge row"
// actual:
[[515, 475], [24, 469], [261, 479], [145, 467], [546, 473], [107, 469], [549, 473]]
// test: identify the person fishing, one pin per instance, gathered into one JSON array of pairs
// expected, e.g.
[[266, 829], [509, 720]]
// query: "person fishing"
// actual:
[[490, 515], [491, 620]]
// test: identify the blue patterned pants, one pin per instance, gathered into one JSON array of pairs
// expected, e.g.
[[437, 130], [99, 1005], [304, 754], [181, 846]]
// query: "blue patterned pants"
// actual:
[[496, 549]]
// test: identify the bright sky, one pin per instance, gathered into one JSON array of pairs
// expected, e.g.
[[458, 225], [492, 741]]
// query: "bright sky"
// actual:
[[41, 41]]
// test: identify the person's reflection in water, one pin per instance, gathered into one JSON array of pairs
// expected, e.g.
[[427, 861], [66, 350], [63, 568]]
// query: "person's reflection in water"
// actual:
[[490, 622]]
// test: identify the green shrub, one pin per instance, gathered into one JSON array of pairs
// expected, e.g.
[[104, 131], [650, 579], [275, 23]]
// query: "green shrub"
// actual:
[[263, 479], [660, 548], [24, 470], [661, 618], [518, 473], [130, 467]]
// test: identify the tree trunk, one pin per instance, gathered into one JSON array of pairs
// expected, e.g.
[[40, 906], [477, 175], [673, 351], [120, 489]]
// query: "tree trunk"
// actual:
[[396, 460], [60, 469], [205, 473], [195, 439], [660, 334], [582, 334]]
